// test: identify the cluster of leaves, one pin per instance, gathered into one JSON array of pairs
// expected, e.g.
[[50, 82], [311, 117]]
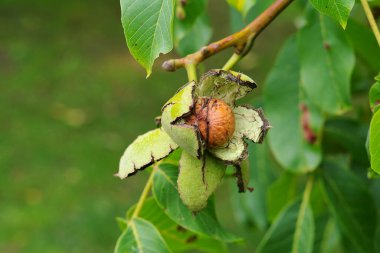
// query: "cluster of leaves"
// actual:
[[308, 99], [165, 224], [319, 193]]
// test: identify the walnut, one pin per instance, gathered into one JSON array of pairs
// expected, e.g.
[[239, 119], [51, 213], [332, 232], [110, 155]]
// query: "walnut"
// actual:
[[214, 119]]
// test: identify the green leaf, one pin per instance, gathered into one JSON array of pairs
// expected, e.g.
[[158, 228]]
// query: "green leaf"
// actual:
[[141, 236], [122, 223], [304, 234], [194, 31], [195, 37], [236, 20], [317, 202], [148, 29], [374, 142], [263, 171], [331, 239], [339, 10], [327, 61], [283, 99], [364, 43], [144, 151], [252, 207], [166, 194], [374, 94], [280, 193], [226, 85], [338, 137], [351, 205], [292, 231], [242, 176], [177, 238], [242, 6], [377, 238], [193, 10], [260, 6], [198, 179]]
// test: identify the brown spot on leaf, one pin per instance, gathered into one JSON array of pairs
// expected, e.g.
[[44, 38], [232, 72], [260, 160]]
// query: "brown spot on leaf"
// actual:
[[183, 2], [191, 239], [308, 133], [181, 229]]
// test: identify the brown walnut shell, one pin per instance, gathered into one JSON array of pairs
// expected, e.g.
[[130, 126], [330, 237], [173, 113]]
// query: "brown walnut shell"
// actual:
[[215, 120]]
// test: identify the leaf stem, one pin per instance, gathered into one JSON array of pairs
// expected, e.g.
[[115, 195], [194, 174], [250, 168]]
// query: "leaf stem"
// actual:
[[180, 10], [301, 215], [191, 70], [241, 40], [144, 195], [235, 58], [371, 20]]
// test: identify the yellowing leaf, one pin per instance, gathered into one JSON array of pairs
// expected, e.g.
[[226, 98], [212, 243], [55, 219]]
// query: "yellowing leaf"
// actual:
[[242, 6]]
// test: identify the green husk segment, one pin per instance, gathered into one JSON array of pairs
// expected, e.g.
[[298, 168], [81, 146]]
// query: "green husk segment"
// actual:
[[180, 105], [235, 152], [226, 85], [194, 187], [250, 123], [182, 102], [186, 136], [144, 151]]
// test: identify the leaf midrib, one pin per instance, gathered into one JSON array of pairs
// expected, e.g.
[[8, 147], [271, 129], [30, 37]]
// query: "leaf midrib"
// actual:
[[158, 25], [344, 208], [327, 55]]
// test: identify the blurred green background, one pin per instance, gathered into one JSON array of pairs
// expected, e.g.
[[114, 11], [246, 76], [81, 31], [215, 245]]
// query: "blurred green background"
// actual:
[[71, 100]]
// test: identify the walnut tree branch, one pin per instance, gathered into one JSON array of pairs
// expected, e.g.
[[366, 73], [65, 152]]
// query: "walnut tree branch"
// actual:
[[241, 40]]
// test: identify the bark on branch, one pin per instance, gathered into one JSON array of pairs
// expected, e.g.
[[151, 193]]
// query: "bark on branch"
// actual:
[[241, 40]]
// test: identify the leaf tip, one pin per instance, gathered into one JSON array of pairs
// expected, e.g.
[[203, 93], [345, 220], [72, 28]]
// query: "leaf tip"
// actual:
[[148, 73], [118, 175]]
